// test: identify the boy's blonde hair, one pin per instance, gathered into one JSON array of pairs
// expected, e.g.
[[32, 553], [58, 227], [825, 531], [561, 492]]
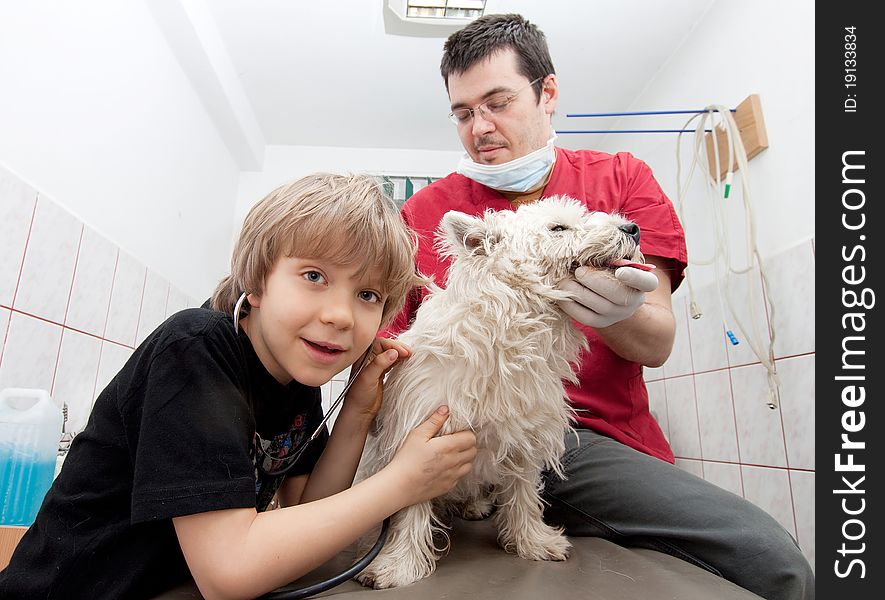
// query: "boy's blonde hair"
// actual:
[[346, 219]]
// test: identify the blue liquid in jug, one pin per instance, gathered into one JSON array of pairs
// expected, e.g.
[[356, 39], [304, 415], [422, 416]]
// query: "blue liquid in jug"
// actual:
[[24, 482]]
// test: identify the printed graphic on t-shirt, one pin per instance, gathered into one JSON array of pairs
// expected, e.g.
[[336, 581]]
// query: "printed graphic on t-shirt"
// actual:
[[274, 457]]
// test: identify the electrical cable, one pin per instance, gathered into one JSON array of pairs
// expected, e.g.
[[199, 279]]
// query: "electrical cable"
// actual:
[[721, 261], [335, 580]]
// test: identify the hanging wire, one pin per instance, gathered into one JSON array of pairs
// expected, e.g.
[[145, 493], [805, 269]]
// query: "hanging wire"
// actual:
[[718, 192]]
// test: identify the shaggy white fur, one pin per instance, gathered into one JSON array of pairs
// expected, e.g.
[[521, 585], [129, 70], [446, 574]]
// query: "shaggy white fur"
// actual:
[[494, 347]]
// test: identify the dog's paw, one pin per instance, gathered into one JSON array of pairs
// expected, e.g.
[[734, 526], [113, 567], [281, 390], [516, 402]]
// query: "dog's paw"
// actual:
[[387, 572], [477, 509], [544, 543]]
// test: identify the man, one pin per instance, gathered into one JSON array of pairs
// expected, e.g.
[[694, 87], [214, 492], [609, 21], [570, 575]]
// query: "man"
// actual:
[[621, 483]]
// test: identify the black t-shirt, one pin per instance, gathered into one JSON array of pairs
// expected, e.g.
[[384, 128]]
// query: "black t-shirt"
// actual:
[[173, 434]]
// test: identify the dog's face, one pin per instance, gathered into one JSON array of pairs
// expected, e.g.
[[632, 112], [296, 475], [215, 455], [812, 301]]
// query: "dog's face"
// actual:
[[543, 242]]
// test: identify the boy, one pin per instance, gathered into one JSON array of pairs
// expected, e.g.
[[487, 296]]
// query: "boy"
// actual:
[[203, 426]]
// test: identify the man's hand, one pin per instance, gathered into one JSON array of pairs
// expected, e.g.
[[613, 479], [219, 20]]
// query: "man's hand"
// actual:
[[602, 300]]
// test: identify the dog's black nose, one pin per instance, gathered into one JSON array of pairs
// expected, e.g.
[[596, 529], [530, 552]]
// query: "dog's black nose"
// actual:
[[632, 230]]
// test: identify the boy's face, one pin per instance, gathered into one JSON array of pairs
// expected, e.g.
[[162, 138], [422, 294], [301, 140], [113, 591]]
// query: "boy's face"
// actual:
[[313, 320], [523, 127]]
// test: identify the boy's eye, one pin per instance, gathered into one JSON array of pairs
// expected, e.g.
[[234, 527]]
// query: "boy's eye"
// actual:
[[314, 277], [370, 296]]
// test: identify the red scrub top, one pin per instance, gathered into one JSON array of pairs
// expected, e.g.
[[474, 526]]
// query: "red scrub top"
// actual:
[[610, 397]]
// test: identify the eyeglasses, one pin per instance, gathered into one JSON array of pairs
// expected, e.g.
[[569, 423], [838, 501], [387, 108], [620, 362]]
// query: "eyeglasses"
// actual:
[[492, 106]]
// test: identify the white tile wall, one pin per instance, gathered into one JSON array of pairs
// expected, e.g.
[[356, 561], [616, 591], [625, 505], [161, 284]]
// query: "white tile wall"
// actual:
[[716, 416], [30, 353], [791, 280], [126, 297], [113, 357], [695, 467], [759, 429], [743, 297], [708, 339], [17, 202], [725, 475], [93, 279], [5, 315], [769, 489], [682, 416], [72, 306], [79, 354], [331, 392], [653, 373], [764, 455], [657, 403], [175, 302], [153, 305], [680, 357], [802, 483], [48, 269], [797, 409]]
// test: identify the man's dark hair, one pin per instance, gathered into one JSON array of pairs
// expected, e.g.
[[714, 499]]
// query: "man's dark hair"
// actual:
[[496, 33]]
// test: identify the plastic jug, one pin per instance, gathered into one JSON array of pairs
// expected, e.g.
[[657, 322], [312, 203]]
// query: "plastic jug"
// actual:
[[30, 427]]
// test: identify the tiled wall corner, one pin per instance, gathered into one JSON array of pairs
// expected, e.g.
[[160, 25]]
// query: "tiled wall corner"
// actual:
[[711, 397]]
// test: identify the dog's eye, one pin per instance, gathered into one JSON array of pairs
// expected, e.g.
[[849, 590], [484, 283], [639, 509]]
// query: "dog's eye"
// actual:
[[558, 228]]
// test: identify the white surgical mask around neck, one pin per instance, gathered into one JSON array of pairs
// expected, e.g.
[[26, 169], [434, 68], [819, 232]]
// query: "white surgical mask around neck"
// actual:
[[518, 175]]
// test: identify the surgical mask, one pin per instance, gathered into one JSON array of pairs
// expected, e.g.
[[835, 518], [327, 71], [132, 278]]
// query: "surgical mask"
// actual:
[[518, 175]]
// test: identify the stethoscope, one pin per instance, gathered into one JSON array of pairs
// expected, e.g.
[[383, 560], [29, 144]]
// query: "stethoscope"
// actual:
[[291, 460]]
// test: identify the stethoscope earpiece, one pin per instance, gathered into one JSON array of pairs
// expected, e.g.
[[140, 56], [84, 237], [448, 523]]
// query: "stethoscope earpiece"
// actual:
[[237, 308]]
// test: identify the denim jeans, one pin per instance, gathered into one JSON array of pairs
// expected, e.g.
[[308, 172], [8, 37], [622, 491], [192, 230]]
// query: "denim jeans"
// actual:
[[614, 492]]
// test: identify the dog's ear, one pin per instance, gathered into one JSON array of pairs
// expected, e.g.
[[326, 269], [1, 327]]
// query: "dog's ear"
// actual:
[[462, 233]]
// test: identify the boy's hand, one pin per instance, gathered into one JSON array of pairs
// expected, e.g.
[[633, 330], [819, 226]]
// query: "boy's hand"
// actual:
[[428, 465], [366, 393]]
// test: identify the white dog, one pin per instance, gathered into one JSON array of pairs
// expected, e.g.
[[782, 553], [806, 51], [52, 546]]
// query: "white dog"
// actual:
[[494, 347]]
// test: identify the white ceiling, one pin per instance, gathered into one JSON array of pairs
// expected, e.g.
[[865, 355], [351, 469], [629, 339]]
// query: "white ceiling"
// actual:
[[327, 73]]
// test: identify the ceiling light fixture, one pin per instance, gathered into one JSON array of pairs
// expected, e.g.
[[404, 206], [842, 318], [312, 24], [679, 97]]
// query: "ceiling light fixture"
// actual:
[[429, 18], [445, 9]]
